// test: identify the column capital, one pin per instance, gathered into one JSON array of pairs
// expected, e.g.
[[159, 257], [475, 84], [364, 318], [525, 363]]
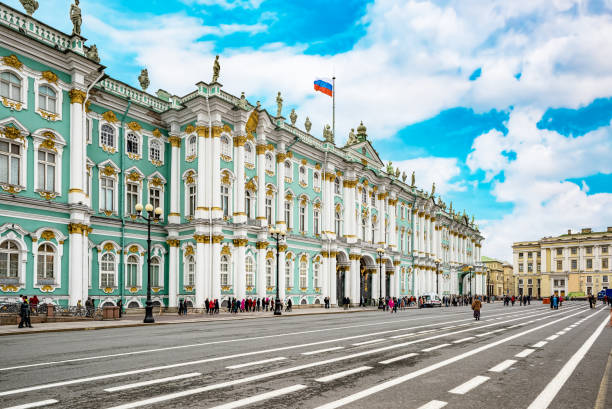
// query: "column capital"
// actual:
[[76, 96], [173, 242]]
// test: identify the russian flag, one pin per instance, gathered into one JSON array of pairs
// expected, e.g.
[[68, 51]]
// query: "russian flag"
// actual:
[[324, 85]]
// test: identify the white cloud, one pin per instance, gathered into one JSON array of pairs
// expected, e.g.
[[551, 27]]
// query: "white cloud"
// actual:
[[228, 4], [429, 170]]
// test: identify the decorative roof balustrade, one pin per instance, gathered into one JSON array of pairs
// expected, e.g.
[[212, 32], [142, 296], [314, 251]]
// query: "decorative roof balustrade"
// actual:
[[118, 88]]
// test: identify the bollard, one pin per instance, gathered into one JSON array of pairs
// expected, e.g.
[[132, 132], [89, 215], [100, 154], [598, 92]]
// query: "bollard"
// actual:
[[50, 310]]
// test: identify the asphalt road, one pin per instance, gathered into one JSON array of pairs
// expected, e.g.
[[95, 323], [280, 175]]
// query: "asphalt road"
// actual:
[[514, 357]]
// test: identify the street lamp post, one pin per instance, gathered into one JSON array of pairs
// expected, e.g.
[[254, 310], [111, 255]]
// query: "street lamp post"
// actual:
[[488, 284], [381, 253], [437, 261], [151, 216], [278, 235], [471, 269]]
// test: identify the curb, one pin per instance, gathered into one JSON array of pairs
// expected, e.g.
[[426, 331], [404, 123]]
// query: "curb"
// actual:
[[193, 321]]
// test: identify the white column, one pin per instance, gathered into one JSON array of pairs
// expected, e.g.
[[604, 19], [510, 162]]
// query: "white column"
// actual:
[[280, 196], [354, 279], [281, 272], [332, 269], [331, 278], [380, 204], [396, 279], [215, 278], [203, 181], [76, 193], [175, 179], [85, 269], [422, 248], [239, 210], [261, 268], [392, 232], [173, 267], [216, 178], [261, 184], [348, 208], [201, 284], [239, 271], [75, 272]]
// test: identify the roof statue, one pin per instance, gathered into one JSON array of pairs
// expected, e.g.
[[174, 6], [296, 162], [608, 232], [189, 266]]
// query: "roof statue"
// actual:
[[75, 17], [352, 139], [397, 173], [451, 208], [390, 169], [413, 182], [307, 124], [258, 107], [404, 176], [293, 117], [361, 132], [92, 53], [279, 104], [433, 188], [143, 78], [30, 6], [472, 219], [243, 102], [216, 70], [328, 135]]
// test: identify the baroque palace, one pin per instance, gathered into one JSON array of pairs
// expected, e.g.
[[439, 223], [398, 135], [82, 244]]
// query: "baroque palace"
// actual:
[[79, 150], [572, 264]]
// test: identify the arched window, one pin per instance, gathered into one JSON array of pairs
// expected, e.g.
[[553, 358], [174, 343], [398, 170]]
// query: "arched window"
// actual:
[[131, 274], [155, 269], [302, 218], [303, 273], [226, 146], [288, 274], [192, 197], [248, 203], [10, 86], [303, 175], [107, 135], [337, 186], [364, 196], [373, 229], [269, 209], [250, 272], [47, 99], [316, 271], [269, 163], [192, 146], [190, 271], [45, 262], [316, 221], [373, 199], [269, 273], [9, 260], [10, 162], [46, 171], [225, 200], [107, 270], [224, 278], [288, 171], [338, 223], [155, 151], [248, 154], [364, 224], [288, 206], [133, 143], [316, 180]]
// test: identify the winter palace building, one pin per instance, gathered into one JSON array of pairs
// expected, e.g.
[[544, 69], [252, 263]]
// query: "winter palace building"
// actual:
[[78, 151]]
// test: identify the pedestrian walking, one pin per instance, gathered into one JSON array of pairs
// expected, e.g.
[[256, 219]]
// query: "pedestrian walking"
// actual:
[[476, 305], [120, 305], [24, 313]]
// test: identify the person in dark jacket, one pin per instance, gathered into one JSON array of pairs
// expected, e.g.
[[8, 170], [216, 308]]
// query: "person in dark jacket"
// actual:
[[24, 313]]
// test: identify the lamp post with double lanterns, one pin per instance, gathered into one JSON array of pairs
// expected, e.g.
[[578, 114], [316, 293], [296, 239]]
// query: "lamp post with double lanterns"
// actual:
[[381, 253], [278, 235], [437, 261], [151, 216], [471, 270]]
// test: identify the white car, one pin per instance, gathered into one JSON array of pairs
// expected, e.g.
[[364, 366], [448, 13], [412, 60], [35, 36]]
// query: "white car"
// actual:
[[431, 300]]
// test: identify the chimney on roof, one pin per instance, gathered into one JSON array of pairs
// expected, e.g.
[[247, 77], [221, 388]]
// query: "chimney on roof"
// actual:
[[569, 231], [586, 230]]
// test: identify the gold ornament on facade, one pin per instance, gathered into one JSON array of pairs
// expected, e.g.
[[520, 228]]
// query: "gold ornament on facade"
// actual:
[[76, 96], [260, 245], [9, 288], [134, 177], [173, 242], [155, 289], [134, 126], [133, 289], [109, 149], [47, 235], [188, 288], [226, 250], [189, 251], [47, 289], [12, 133], [48, 144], [226, 158], [109, 247], [190, 158], [259, 149], [240, 242], [49, 77], [109, 116], [282, 247], [12, 105], [12, 61], [47, 195], [88, 106], [133, 249], [251, 125], [202, 131], [157, 181], [134, 156], [49, 116], [250, 185], [201, 238], [175, 141], [108, 212], [157, 133], [217, 239], [189, 129]]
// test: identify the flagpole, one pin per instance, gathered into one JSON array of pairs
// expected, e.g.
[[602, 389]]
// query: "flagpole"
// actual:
[[334, 107]]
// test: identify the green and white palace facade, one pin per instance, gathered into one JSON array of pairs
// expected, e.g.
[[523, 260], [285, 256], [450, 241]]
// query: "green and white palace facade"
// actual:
[[79, 149]]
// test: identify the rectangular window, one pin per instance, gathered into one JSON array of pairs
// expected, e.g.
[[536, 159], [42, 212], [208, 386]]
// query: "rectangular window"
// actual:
[[539, 267], [10, 160], [520, 255], [269, 210], [589, 250], [520, 268], [589, 279], [559, 252], [559, 265], [131, 198], [604, 263], [46, 171], [315, 221], [192, 201], [107, 194], [155, 197], [574, 251], [225, 200], [288, 214], [530, 268], [530, 281], [574, 264], [589, 263], [604, 249], [604, 279], [302, 219]]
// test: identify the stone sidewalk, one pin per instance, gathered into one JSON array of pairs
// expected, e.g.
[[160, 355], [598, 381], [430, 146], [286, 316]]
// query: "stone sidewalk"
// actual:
[[134, 320]]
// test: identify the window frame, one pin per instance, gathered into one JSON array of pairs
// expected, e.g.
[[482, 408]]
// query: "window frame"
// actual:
[[137, 155], [153, 142], [21, 157], [10, 85]]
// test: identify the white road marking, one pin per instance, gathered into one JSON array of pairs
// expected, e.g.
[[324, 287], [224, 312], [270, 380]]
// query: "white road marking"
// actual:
[[462, 340], [319, 351], [434, 404], [403, 335], [263, 361], [524, 353], [434, 348], [539, 344], [560, 332], [404, 378], [258, 398], [152, 382], [503, 366], [34, 404], [485, 334], [265, 375], [469, 385], [342, 374], [552, 337], [545, 398], [372, 341], [398, 358]]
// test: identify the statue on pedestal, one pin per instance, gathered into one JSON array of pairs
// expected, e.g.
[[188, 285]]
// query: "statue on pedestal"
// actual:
[[397, 173], [308, 125], [293, 117], [328, 135], [390, 170], [243, 102], [216, 69], [352, 139], [433, 189], [413, 182], [404, 176], [92, 53], [30, 6], [143, 78], [279, 104], [75, 17]]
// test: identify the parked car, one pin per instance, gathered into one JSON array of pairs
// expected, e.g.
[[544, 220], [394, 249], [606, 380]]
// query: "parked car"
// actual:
[[431, 300]]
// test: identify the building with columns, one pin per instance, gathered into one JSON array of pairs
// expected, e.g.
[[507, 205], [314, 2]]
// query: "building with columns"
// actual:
[[79, 150], [572, 264]]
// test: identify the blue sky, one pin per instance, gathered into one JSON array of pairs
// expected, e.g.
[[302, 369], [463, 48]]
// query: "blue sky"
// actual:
[[506, 106]]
